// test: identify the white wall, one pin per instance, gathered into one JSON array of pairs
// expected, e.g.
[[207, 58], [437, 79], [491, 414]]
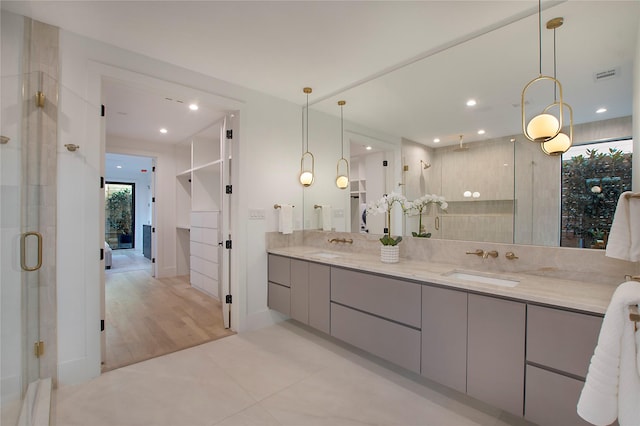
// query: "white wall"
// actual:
[[265, 164]]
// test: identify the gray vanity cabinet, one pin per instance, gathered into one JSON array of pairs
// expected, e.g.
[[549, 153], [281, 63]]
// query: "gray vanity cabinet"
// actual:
[[496, 352], [559, 348], [377, 314], [444, 336], [319, 297], [300, 290], [279, 291]]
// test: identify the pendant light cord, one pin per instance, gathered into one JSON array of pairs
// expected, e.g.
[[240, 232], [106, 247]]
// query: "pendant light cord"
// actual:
[[341, 131], [555, 98], [307, 122], [540, 36]]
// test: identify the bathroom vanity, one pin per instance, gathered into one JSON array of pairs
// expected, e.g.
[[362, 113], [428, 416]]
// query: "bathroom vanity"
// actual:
[[524, 348]]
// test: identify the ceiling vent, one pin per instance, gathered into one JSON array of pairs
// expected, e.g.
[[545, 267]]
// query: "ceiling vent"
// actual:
[[607, 74]]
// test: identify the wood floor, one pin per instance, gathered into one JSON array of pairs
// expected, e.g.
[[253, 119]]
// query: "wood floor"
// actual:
[[148, 317]]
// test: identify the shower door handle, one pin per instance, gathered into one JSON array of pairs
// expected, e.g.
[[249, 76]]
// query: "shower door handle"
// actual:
[[437, 223], [23, 251]]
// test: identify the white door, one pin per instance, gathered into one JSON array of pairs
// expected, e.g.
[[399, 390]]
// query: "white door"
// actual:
[[226, 139]]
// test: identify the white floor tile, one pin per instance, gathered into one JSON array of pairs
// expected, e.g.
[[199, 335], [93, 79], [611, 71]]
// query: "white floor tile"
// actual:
[[280, 375]]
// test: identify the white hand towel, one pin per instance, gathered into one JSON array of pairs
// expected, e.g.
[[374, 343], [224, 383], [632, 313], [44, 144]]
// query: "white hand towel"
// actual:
[[624, 238], [612, 386], [326, 217], [286, 219]]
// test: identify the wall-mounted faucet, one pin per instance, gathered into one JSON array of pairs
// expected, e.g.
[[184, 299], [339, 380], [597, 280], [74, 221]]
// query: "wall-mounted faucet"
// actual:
[[341, 240], [491, 253], [484, 254]]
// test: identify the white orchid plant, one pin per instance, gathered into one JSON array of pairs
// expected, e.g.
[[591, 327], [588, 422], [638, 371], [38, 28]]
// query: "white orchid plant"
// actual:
[[419, 205], [385, 205]]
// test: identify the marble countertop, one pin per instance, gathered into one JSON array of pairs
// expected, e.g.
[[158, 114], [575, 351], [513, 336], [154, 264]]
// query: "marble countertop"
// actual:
[[582, 296]]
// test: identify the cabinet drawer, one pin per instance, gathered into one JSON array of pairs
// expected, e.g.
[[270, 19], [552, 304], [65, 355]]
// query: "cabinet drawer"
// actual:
[[204, 251], [204, 235], [391, 341], [204, 267], [387, 297], [280, 270], [551, 398], [560, 339], [279, 298], [204, 219]]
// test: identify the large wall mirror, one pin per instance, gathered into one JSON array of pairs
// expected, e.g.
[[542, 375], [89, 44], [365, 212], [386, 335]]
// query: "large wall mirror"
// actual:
[[500, 187]]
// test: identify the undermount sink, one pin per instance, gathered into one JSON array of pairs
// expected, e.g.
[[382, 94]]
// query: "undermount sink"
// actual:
[[325, 255], [479, 277]]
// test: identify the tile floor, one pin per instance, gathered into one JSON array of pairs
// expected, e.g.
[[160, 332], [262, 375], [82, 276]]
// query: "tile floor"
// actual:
[[284, 374]]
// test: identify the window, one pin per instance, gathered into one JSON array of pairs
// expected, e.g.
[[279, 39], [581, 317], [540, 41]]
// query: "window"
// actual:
[[593, 177], [119, 227]]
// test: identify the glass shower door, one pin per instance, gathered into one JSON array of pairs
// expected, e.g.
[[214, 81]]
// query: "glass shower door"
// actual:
[[20, 251]]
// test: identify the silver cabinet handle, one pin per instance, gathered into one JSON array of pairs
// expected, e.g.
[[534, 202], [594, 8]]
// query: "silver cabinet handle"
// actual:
[[23, 251], [437, 223]]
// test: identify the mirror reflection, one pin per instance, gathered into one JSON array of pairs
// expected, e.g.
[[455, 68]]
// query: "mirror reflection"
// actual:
[[499, 186]]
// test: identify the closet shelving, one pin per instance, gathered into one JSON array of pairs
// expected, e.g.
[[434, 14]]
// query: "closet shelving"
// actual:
[[198, 201]]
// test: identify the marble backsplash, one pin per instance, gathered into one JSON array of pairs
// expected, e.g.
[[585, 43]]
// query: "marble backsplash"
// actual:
[[557, 262]]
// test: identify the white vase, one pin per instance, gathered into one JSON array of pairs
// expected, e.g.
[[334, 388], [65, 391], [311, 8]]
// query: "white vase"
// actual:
[[390, 254]]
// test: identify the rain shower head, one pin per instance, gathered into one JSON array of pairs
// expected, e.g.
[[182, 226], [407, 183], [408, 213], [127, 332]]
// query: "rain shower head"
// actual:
[[461, 147]]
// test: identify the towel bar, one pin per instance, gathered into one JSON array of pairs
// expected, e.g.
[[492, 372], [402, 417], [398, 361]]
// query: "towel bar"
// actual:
[[634, 316], [632, 277], [277, 206], [633, 195], [317, 206]]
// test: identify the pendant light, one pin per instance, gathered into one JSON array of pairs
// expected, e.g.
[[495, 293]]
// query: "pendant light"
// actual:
[[544, 126], [561, 143], [342, 179], [307, 175]]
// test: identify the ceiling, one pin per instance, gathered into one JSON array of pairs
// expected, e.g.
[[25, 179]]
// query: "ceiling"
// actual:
[[404, 68]]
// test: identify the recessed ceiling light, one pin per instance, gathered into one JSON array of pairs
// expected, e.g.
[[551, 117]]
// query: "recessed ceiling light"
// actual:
[[436, 140], [193, 107], [601, 110], [368, 148], [118, 167], [163, 130], [481, 132], [471, 102]]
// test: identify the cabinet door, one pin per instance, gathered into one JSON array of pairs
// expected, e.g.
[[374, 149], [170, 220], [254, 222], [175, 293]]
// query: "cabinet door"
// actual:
[[495, 363], [560, 339], [444, 337], [300, 290], [319, 297], [551, 398], [279, 270]]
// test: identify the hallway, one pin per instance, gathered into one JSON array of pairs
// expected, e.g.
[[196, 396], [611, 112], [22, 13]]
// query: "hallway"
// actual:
[[148, 317], [278, 375]]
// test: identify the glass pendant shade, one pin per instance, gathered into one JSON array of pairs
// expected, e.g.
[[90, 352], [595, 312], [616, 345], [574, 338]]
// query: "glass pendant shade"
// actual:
[[556, 146], [543, 127]]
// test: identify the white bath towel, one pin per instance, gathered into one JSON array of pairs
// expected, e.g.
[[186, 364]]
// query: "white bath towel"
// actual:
[[286, 219], [326, 217], [624, 238], [612, 386]]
